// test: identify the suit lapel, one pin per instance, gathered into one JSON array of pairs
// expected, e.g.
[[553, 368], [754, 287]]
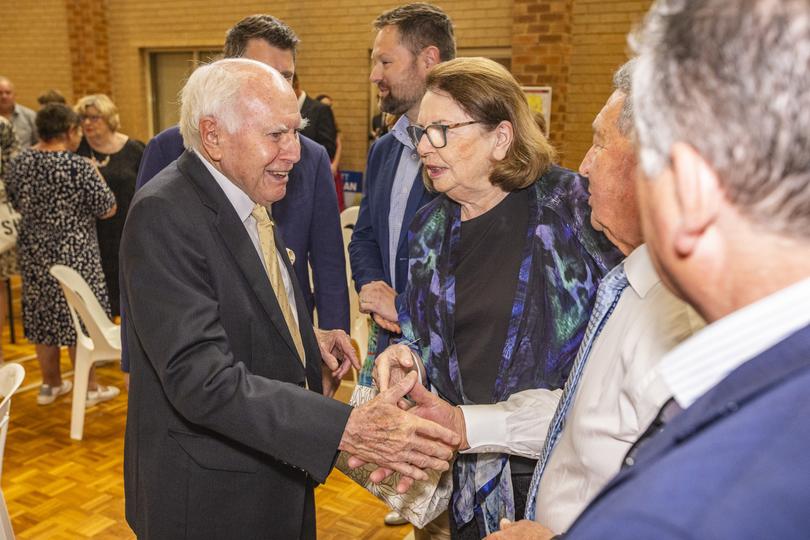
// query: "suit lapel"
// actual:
[[236, 240], [388, 171], [414, 203], [750, 380]]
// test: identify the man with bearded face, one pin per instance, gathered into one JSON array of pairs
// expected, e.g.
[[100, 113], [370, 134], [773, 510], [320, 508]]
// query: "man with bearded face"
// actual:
[[411, 40]]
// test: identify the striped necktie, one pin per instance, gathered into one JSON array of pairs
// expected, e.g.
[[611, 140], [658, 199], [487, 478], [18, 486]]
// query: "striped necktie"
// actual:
[[267, 242], [607, 296]]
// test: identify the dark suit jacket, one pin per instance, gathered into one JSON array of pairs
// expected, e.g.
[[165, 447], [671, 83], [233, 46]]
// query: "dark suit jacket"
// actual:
[[736, 464], [307, 216], [222, 441], [321, 127], [369, 250]]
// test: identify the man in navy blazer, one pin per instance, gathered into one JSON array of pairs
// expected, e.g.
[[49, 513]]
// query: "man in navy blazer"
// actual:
[[411, 39], [307, 216], [722, 112]]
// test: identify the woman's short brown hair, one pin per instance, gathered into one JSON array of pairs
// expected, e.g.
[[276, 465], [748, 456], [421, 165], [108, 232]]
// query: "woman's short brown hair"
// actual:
[[105, 107], [488, 93], [55, 119]]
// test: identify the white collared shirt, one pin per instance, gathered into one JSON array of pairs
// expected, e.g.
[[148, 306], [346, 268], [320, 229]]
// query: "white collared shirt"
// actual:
[[619, 393], [404, 178], [244, 206], [699, 364]]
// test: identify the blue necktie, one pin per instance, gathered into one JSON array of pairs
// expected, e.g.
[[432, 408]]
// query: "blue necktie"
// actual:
[[607, 296]]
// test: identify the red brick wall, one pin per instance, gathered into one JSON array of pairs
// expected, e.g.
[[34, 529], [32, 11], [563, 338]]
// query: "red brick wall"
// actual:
[[35, 50], [541, 47], [574, 46], [85, 46], [88, 40]]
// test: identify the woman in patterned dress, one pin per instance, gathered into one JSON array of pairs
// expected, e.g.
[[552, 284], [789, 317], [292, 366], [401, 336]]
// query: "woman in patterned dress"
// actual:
[[503, 270], [9, 147], [117, 157], [59, 196]]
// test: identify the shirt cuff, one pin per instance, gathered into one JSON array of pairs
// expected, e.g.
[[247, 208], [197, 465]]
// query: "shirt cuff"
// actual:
[[486, 428]]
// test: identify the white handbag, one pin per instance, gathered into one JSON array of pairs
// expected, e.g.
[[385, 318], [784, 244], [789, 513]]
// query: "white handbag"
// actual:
[[423, 502], [9, 218]]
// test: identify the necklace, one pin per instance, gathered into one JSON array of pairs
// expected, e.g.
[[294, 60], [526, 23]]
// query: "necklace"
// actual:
[[103, 163]]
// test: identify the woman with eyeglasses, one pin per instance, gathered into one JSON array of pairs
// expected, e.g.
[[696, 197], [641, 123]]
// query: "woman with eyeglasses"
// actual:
[[503, 271], [117, 157], [59, 196]]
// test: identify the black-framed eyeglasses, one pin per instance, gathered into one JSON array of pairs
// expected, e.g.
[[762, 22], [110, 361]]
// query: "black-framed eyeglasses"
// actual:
[[436, 133]]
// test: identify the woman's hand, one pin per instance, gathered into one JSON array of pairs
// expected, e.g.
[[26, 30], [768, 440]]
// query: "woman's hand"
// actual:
[[392, 366]]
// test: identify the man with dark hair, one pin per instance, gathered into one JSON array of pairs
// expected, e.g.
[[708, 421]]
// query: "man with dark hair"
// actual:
[[421, 25], [240, 39], [320, 119], [724, 198], [410, 40], [307, 216], [50, 96]]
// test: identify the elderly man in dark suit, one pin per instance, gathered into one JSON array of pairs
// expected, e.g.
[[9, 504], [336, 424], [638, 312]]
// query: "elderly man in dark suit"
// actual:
[[721, 93], [307, 217], [227, 430]]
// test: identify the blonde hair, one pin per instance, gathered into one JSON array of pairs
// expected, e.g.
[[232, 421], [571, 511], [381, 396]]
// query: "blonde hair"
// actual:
[[105, 107], [487, 92]]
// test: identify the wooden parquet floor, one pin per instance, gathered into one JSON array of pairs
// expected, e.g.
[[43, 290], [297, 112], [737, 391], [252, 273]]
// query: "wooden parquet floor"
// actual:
[[57, 488]]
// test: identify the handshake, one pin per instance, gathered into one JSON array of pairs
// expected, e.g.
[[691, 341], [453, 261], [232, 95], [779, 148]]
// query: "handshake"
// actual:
[[399, 434]]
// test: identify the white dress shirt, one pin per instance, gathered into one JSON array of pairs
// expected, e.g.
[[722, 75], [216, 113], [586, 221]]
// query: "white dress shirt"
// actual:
[[697, 365], [619, 394], [244, 206], [404, 177]]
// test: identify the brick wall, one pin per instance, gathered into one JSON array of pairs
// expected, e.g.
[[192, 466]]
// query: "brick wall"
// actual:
[[34, 49], [599, 46], [89, 52], [336, 38], [541, 48], [572, 45]]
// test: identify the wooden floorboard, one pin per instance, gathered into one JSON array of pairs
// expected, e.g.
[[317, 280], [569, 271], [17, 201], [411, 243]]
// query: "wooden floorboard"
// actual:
[[57, 488]]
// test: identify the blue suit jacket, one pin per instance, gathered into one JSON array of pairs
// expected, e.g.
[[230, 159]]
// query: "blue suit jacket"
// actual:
[[307, 217], [736, 464], [369, 249]]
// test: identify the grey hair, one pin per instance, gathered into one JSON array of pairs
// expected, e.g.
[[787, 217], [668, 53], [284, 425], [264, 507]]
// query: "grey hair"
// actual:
[[623, 82], [730, 78], [212, 90]]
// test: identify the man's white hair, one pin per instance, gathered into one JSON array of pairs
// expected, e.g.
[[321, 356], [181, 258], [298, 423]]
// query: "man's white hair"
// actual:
[[213, 90]]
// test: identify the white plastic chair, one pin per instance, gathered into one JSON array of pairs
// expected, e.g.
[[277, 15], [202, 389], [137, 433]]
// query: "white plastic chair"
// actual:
[[358, 322], [102, 344], [11, 377]]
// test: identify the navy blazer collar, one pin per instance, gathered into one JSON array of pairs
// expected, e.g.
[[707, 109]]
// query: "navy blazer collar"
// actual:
[[752, 379]]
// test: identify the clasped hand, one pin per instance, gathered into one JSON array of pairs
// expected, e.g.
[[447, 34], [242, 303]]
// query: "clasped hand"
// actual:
[[394, 370], [380, 432]]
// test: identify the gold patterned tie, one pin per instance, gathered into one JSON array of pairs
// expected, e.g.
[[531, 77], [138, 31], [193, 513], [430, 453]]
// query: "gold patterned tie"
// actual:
[[268, 246]]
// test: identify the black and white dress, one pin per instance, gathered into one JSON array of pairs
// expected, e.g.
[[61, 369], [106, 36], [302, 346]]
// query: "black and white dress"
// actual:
[[59, 195], [9, 147]]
